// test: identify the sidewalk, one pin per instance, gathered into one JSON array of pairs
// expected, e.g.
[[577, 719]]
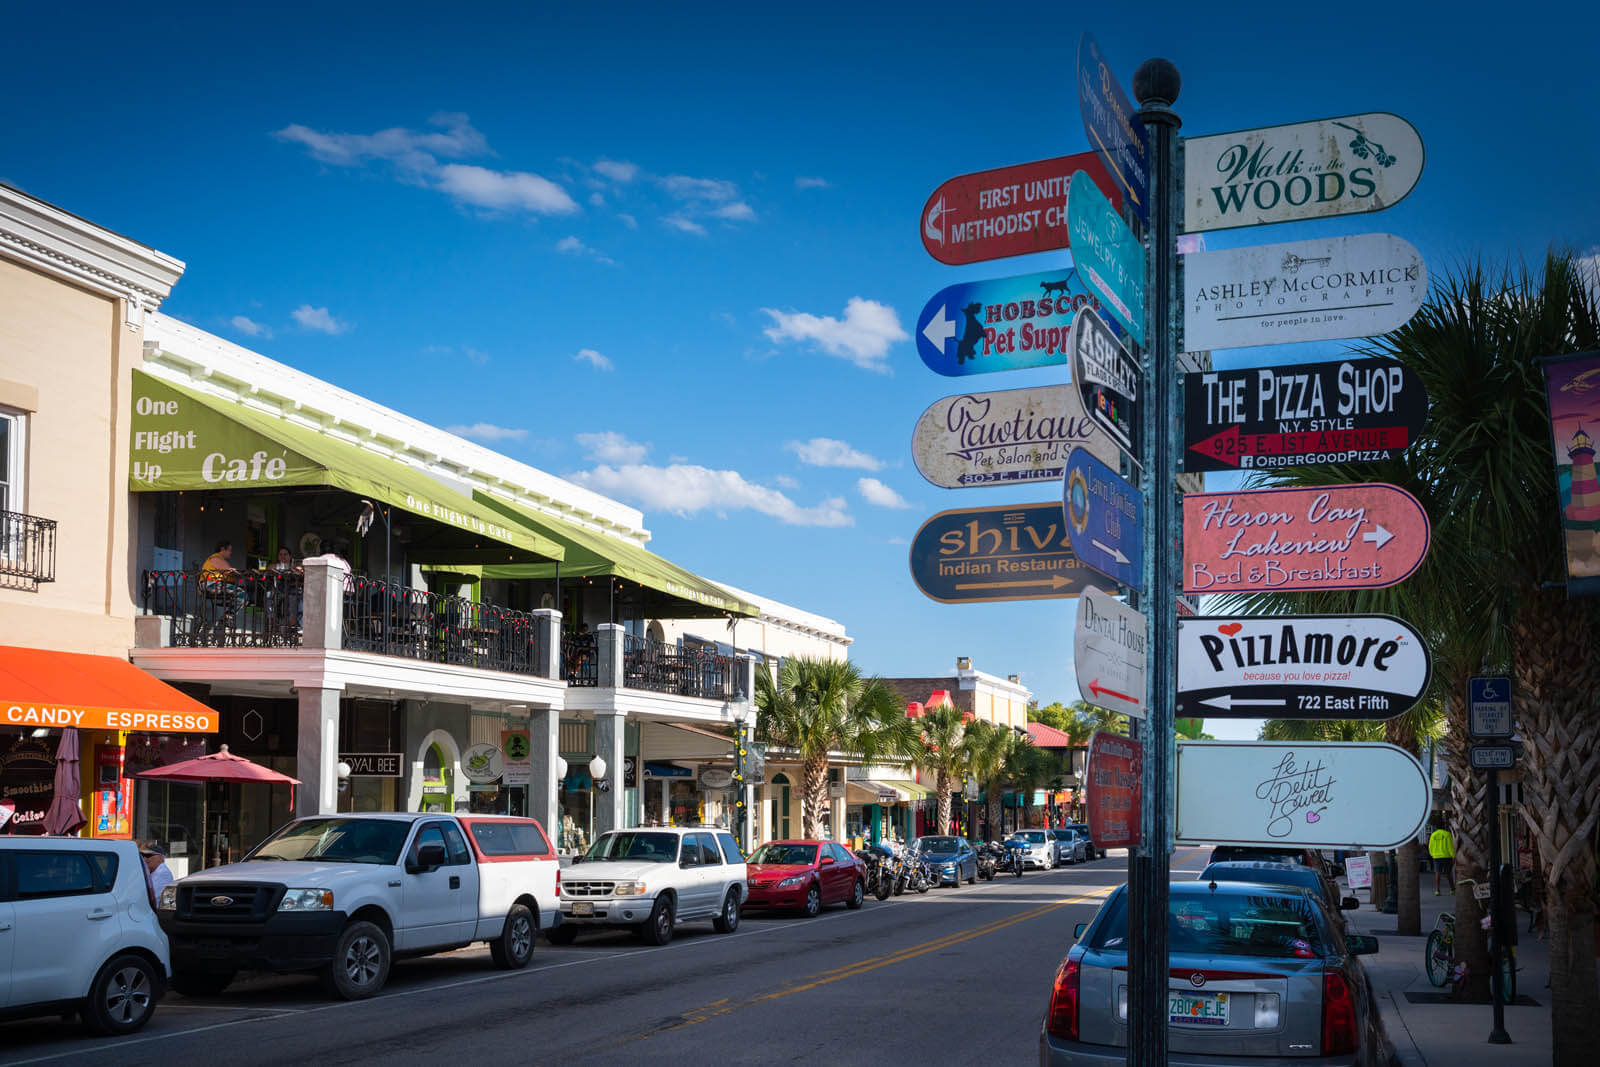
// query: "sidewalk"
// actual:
[[1449, 1033]]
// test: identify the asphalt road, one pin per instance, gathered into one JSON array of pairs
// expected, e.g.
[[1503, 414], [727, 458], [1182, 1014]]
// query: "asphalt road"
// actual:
[[954, 974]]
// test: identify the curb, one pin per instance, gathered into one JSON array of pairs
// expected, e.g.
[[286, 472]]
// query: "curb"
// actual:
[[1403, 1053]]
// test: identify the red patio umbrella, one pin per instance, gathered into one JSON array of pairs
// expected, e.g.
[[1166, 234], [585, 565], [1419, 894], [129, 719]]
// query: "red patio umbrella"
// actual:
[[221, 766], [66, 810]]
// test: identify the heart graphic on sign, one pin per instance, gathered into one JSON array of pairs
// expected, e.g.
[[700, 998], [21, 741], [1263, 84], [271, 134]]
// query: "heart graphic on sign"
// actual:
[[1230, 628], [1314, 816]]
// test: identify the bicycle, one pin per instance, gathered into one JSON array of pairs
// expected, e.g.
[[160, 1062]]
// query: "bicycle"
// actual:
[[1439, 955]]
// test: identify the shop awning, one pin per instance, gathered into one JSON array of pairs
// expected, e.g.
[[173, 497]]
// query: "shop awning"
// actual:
[[867, 791], [60, 689], [592, 554], [656, 769], [184, 440], [914, 791]]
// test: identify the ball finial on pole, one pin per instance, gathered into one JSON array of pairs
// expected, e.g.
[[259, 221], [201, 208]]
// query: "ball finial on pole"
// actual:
[[1156, 82]]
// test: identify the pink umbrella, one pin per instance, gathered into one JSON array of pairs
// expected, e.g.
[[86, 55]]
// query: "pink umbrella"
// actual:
[[221, 766], [66, 813]]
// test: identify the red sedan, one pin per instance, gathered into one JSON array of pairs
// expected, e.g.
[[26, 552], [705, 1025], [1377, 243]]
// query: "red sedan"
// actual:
[[805, 875]]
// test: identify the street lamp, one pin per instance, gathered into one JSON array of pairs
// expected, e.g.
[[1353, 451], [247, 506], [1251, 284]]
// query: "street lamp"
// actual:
[[738, 775], [597, 768]]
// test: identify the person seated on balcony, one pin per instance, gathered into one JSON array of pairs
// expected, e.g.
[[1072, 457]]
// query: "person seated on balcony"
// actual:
[[219, 580], [288, 585]]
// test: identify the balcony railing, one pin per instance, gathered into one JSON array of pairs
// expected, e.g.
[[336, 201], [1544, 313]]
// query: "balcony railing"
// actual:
[[397, 620], [690, 671], [580, 659], [27, 547], [243, 609]]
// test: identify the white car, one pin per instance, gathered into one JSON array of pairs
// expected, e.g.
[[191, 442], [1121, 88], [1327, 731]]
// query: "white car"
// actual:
[[651, 878], [77, 933], [1041, 846]]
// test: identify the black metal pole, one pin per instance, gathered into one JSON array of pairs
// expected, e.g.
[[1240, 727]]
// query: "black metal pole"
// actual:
[[1498, 1035]]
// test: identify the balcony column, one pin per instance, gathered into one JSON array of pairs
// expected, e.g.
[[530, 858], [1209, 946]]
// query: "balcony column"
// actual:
[[317, 750], [544, 727], [547, 642], [322, 624], [609, 654], [610, 735]]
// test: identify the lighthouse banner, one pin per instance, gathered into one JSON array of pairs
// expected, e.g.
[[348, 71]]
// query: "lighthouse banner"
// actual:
[[1573, 384]]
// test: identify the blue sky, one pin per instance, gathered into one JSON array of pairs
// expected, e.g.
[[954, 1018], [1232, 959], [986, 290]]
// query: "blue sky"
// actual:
[[667, 251]]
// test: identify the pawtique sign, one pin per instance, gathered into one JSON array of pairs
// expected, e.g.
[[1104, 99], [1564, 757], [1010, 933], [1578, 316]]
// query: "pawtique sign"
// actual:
[[1005, 437]]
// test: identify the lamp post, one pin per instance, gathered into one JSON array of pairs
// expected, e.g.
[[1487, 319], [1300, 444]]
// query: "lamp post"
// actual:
[[739, 809]]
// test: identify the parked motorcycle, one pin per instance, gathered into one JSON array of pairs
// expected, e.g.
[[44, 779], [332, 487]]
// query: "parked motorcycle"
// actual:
[[1016, 857], [988, 861], [876, 861]]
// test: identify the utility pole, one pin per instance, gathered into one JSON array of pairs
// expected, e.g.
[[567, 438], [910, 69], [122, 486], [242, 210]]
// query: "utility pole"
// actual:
[[1497, 950]]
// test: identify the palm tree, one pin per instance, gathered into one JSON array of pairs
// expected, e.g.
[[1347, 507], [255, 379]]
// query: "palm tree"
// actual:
[[994, 747], [818, 707], [1097, 718], [947, 751]]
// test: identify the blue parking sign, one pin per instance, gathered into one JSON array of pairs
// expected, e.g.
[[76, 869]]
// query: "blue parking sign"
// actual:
[[1489, 707]]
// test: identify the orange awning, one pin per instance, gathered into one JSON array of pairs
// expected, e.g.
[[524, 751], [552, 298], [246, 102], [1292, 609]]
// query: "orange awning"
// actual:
[[57, 689]]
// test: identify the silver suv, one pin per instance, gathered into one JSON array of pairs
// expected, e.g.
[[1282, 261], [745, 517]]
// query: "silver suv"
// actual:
[[651, 878]]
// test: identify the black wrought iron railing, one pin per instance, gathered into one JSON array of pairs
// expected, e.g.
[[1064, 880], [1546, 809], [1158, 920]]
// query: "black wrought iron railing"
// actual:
[[240, 609], [398, 620], [580, 661], [27, 547], [687, 671]]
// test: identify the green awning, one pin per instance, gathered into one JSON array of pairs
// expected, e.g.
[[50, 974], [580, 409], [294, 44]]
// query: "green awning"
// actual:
[[592, 554], [917, 790], [184, 440]]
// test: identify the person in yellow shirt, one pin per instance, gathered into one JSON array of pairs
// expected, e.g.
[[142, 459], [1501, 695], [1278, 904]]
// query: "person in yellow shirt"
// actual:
[[1442, 850], [218, 579]]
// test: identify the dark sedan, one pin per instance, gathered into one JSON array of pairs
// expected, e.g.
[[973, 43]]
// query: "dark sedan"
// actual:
[[952, 859], [1319, 885]]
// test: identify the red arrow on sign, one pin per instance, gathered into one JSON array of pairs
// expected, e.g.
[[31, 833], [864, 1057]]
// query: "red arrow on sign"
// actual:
[[1096, 688], [1230, 444]]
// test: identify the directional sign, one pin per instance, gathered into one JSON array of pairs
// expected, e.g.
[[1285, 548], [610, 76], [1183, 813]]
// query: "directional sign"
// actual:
[[1320, 794], [1114, 131], [1108, 653], [972, 555], [1112, 796], [1300, 667], [1364, 536], [1008, 211], [1105, 519], [1108, 381], [1108, 256], [1322, 290], [1492, 757], [1489, 707], [1305, 170], [1001, 324], [1005, 437], [1308, 414]]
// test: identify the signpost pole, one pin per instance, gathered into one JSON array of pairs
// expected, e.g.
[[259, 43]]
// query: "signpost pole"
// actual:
[[1498, 1035], [1155, 86]]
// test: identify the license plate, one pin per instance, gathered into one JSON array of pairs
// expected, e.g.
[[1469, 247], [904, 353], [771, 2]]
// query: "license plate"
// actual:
[[1198, 1009], [583, 907]]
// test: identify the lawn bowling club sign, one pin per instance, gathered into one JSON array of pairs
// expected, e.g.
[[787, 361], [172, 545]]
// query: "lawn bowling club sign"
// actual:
[[1008, 211], [1005, 437], [1001, 324], [972, 555], [1305, 170], [1320, 290], [1345, 411], [1300, 667]]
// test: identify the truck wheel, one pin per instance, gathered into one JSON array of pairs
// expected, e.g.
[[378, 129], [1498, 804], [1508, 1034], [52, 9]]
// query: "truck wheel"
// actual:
[[123, 996], [201, 983], [728, 921], [360, 962], [513, 949], [657, 930], [562, 935]]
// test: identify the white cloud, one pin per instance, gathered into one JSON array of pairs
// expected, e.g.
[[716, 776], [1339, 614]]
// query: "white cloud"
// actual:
[[597, 200], [500, 190], [629, 221], [318, 319], [783, 481], [594, 359], [687, 225], [683, 187], [609, 446], [475, 356], [688, 490], [488, 431], [812, 183], [898, 541], [738, 211], [617, 170], [250, 327], [875, 492], [830, 452], [573, 246], [863, 336]]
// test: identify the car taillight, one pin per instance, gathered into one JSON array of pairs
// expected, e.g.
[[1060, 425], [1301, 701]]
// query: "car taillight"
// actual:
[[1338, 1015], [558, 881], [1063, 1019]]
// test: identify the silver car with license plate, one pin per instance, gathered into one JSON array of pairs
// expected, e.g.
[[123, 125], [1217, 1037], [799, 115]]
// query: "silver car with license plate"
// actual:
[[1259, 976]]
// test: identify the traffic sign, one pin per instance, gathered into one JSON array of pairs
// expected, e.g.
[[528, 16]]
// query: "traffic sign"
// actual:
[[1489, 707], [1363, 536], [1004, 438], [1300, 667], [1305, 170], [1112, 796], [1001, 324], [974, 555], [1108, 653], [1350, 795], [1108, 256], [1105, 519], [1108, 381], [1322, 290], [1492, 757], [1007, 211], [1113, 129], [1343, 411]]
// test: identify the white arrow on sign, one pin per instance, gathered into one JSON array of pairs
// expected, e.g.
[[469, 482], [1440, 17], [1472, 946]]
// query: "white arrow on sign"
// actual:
[[1380, 538], [1228, 701], [1114, 553], [940, 328]]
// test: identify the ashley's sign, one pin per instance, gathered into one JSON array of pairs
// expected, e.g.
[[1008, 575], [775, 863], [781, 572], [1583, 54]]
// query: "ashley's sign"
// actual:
[[1004, 437], [1007, 211], [1001, 324], [1304, 170], [1320, 290], [1020, 552], [1346, 411], [1300, 667], [1108, 381]]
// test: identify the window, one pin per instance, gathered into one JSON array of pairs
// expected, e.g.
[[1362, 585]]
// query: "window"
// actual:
[[105, 867], [39, 875], [708, 850], [509, 839], [730, 848], [838, 853], [428, 835], [338, 838], [690, 856], [13, 439], [457, 845]]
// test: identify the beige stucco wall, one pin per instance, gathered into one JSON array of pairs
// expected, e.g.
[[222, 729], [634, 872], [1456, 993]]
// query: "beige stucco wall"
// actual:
[[71, 349], [768, 638]]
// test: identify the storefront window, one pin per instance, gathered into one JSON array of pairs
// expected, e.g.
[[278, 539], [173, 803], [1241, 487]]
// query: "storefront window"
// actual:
[[576, 801]]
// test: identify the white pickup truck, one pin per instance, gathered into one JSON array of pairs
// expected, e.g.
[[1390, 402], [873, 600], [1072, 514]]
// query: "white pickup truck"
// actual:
[[343, 895]]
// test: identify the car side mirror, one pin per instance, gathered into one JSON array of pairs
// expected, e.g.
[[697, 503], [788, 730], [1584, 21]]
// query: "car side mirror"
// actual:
[[825, 861], [430, 857], [1077, 931], [1349, 904], [1361, 944]]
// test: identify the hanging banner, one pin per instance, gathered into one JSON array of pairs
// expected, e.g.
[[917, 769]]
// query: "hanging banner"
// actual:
[[1115, 764], [1001, 324], [1322, 290], [974, 555], [1005, 437], [516, 758], [1007, 211], [1573, 386], [1108, 256], [1304, 170]]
